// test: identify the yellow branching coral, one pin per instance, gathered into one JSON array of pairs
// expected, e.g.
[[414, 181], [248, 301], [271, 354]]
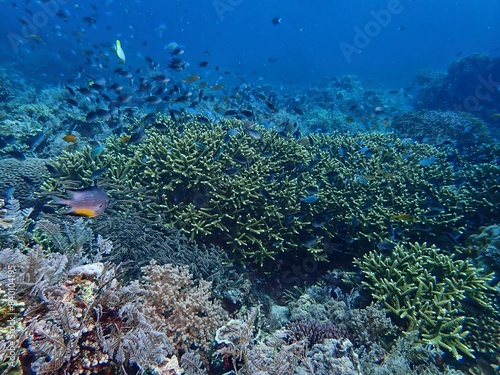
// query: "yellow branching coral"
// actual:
[[426, 290]]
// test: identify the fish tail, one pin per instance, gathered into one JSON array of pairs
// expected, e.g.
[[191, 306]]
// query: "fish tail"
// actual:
[[59, 200]]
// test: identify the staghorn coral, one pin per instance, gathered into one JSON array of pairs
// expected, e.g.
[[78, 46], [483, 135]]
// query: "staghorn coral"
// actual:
[[481, 190], [428, 291], [460, 132], [249, 195], [182, 307]]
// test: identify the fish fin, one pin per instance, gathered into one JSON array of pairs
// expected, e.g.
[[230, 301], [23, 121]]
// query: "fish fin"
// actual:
[[59, 200]]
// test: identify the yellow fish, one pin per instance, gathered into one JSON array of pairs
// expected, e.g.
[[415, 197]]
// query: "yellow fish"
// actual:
[[70, 138], [191, 79], [403, 217], [119, 51]]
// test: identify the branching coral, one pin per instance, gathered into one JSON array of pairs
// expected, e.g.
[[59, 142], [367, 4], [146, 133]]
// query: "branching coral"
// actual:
[[262, 197], [426, 290], [464, 133]]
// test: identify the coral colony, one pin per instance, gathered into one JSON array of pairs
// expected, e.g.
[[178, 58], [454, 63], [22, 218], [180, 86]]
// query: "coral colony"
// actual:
[[347, 231]]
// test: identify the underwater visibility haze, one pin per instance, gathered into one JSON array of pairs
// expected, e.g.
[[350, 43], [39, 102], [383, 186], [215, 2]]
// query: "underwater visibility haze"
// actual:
[[250, 187]]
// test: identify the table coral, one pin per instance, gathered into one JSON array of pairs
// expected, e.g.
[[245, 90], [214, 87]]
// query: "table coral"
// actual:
[[428, 291]]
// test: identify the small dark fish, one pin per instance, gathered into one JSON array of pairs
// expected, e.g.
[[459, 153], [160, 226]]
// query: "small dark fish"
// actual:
[[247, 113], [153, 99], [137, 138], [203, 64], [28, 180], [8, 140], [353, 107], [231, 112], [102, 114], [386, 246], [266, 194], [366, 206], [241, 159], [90, 201], [319, 220], [124, 98], [98, 173], [72, 102], [485, 367], [91, 116], [276, 21], [175, 114], [310, 240], [423, 227], [231, 171], [86, 92], [116, 87], [271, 107], [309, 199], [432, 213], [70, 90], [35, 141], [298, 110], [253, 133], [54, 172]]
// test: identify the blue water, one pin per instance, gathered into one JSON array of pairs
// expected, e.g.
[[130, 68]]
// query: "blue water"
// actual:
[[239, 37]]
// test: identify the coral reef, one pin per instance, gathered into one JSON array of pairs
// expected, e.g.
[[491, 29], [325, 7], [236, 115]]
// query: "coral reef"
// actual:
[[78, 320], [487, 246], [137, 240], [25, 177], [428, 291], [184, 309], [315, 332], [81, 319], [259, 198], [480, 188], [457, 88], [463, 135]]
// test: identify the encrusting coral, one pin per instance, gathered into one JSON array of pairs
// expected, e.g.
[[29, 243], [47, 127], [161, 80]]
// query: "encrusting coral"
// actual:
[[25, 177], [428, 291]]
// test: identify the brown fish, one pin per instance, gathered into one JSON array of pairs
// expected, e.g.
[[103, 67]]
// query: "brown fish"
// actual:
[[90, 201]]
